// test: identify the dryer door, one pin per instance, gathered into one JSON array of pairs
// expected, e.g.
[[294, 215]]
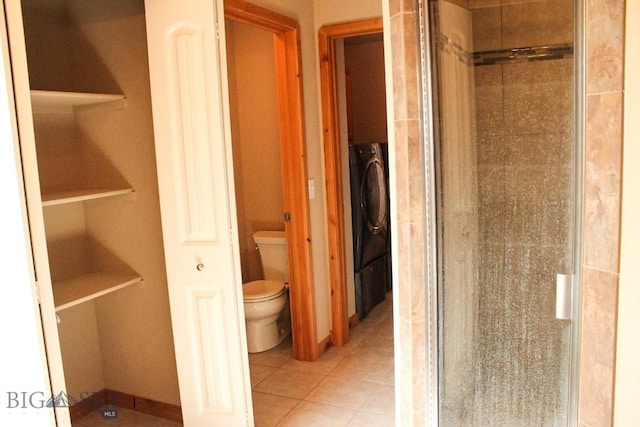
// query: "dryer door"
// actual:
[[373, 197]]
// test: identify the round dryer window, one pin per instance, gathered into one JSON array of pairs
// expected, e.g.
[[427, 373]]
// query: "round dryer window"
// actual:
[[373, 193]]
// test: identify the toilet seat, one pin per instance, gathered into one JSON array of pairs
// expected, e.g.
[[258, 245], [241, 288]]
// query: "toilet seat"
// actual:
[[262, 290]]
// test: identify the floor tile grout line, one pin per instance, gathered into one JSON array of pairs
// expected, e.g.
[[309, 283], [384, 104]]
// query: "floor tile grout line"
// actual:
[[253, 386], [316, 386], [371, 386], [290, 397], [292, 409], [352, 418], [376, 413], [287, 413], [329, 404]]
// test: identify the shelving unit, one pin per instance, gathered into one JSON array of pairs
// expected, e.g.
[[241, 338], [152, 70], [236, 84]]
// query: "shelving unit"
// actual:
[[77, 290], [89, 281], [88, 159], [54, 102], [73, 196], [45, 101]]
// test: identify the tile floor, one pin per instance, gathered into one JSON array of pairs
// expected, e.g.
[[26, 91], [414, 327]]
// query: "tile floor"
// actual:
[[348, 386]]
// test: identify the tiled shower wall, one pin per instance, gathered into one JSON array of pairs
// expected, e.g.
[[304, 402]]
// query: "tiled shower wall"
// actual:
[[604, 80], [525, 169], [604, 39]]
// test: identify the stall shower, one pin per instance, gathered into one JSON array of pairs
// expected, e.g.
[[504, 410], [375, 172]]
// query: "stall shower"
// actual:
[[506, 191]]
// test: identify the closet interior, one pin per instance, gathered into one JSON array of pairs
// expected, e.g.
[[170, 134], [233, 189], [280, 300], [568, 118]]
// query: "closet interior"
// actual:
[[91, 114]]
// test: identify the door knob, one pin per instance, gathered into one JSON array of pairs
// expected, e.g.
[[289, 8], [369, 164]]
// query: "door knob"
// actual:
[[200, 267]]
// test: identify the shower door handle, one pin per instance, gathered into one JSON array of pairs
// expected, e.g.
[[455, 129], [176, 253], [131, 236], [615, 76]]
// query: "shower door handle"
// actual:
[[564, 296]]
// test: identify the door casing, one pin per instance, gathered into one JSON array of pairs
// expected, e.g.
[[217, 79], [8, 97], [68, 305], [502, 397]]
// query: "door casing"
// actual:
[[286, 37], [333, 169]]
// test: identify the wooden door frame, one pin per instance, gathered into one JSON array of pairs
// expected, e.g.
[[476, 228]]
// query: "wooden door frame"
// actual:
[[333, 167], [286, 36]]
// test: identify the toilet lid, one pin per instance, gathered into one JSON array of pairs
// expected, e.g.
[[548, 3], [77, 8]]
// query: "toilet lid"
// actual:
[[261, 289]]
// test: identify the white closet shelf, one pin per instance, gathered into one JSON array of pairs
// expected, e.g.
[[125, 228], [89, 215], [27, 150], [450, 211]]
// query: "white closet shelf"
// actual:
[[44, 101], [77, 290], [72, 196]]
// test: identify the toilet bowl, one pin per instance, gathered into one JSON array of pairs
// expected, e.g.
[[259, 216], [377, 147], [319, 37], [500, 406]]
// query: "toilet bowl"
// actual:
[[266, 302]]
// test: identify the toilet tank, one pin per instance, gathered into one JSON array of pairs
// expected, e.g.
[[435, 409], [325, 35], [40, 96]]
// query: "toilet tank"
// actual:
[[272, 246]]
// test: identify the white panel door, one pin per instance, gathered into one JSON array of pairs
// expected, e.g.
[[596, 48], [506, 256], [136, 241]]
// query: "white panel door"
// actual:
[[24, 366], [187, 77]]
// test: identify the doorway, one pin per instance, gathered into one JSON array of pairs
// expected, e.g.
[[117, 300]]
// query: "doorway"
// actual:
[[331, 39], [294, 173]]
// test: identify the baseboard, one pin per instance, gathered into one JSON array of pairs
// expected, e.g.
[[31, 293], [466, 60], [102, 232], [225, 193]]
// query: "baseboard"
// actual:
[[354, 320], [120, 399], [87, 405], [324, 345], [124, 400], [159, 409]]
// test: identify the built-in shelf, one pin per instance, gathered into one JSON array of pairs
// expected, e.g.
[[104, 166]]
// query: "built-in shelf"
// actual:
[[77, 290], [69, 254], [44, 101], [73, 196]]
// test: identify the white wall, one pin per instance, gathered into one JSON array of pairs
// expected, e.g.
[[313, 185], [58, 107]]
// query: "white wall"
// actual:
[[339, 11], [627, 384]]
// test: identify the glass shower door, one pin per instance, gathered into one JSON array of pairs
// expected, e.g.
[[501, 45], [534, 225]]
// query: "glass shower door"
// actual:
[[505, 156]]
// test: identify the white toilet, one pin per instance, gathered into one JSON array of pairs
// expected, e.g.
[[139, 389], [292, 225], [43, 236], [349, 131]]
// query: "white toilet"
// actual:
[[266, 301]]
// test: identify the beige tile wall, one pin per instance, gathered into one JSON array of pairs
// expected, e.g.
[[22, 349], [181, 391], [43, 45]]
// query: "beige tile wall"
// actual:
[[525, 140], [604, 49], [604, 32], [410, 227]]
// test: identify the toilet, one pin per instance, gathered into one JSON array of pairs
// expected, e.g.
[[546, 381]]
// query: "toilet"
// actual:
[[266, 302]]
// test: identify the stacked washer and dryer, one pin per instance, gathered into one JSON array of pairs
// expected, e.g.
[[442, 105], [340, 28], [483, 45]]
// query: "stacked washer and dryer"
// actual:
[[370, 220]]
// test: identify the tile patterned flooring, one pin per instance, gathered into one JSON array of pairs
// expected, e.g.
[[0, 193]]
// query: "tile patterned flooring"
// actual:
[[348, 386]]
